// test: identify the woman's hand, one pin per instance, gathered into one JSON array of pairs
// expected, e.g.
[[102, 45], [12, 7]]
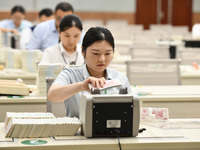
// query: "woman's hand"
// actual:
[[59, 93], [95, 82]]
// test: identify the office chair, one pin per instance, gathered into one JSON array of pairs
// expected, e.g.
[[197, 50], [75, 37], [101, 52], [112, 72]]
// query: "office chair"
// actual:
[[153, 72], [150, 52], [123, 48], [57, 108]]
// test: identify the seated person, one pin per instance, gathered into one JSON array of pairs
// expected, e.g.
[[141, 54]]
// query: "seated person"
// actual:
[[46, 34], [68, 51], [98, 49], [44, 15], [16, 24]]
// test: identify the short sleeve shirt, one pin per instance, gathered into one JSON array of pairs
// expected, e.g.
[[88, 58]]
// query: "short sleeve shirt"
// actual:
[[79, 74]]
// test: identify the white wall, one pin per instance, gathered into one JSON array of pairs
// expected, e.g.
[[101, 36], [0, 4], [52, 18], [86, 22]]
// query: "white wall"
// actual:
[[79, 5], [196, 6]]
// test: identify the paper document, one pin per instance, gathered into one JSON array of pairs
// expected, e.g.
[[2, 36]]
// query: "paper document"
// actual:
[[108, 84]]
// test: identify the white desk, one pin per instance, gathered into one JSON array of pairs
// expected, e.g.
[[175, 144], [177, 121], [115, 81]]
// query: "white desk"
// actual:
[[192, 78], [182, 101], [13, 74], [25, 104], [167, 42], [124, 42], [151, 139], [190, 75]]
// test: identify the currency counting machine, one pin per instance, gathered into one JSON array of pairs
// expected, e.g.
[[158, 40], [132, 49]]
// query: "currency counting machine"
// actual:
[[109, 115]]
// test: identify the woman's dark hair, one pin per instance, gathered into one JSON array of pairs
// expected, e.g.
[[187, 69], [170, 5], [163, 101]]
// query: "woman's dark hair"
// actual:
[[17, 9], [64, 6], [97, 34], [70, 21]]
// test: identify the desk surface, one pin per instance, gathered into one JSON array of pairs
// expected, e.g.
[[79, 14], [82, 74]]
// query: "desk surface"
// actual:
[[16, 72], [152, 138], [182, 101], [13, 74], [167, 42], [22, 104], [188, 71], [23, 99], [171, 90]]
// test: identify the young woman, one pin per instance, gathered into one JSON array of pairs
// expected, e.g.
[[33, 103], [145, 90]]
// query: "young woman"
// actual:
[[68, 51], [17, 23], [97, 49]]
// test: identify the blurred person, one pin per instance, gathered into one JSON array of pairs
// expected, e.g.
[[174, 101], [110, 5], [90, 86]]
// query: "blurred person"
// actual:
[[44, 15], [46, 33], [16, 24], [68, 51]]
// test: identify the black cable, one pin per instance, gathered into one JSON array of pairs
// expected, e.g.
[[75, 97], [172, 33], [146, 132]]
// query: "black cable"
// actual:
[[118, 136], [142, 129]]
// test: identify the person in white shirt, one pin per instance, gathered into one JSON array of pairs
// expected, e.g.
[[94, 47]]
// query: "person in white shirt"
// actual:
[[44, 15], [196, 31], [15, 25], [68, 51]]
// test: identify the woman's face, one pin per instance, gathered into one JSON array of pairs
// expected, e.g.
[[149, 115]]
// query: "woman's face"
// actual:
[[70, 38], [17, 18], [98, 56]]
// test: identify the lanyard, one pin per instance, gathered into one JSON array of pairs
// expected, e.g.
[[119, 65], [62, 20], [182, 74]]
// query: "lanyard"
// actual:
[[70, 63]]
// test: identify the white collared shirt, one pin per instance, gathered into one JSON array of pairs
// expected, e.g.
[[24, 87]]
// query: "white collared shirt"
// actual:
[[57, 54]]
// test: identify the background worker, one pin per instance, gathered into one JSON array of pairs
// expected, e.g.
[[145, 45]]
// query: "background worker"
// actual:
[[44, 15], [46, 34], [16, 24], [68, 51]]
